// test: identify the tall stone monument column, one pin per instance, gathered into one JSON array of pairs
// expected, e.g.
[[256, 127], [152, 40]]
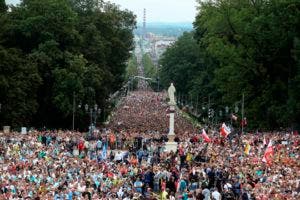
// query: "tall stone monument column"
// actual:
[[171, 145], [172, 120]]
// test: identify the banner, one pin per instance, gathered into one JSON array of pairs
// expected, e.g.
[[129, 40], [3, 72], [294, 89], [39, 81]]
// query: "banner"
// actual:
[[23, 130], [6, 129]]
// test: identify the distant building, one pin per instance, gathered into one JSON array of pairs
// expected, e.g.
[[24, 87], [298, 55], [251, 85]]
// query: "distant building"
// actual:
[[162, 45], [154, 45]]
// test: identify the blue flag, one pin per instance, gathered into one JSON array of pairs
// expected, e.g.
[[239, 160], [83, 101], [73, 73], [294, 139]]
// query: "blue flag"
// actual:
[[104, 151]]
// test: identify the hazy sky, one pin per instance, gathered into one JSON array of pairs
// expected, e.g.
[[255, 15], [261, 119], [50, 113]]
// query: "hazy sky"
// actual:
[[157, 10]]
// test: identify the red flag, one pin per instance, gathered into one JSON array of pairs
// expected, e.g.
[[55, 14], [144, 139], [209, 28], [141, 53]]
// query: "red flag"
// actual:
[[268, 154], [205, 136], [244, 122], [225, 131]]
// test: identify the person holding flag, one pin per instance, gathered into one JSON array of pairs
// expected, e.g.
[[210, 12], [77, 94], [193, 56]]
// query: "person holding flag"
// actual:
[[247, 149], [225, 130], [205, 136], [244, 122], [268, 155], [234, 117]]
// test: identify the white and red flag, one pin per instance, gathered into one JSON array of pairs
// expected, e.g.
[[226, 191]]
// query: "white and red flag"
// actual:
[[225, 130], [267, 158], [234, 117], [205, 136]]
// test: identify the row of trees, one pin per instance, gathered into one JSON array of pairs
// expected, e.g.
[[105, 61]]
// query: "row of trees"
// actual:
[[242, 47], [132, 67], [53, 49], [150, 69], [131, 72]]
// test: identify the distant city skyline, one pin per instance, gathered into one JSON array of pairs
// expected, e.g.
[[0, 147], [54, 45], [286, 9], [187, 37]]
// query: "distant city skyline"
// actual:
[[156, 10]]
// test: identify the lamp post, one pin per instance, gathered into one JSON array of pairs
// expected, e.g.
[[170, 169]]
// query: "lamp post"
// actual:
[[226, 109], [157, 83], [243, 104], [211, 114], [0, 108], [191, 103], [73, 116], [203, 111], [132, 83], [128, 87], [104, 112], [157, 76], [197, 104], [180, 99], [236, 109], [94, 111], [220, 113]]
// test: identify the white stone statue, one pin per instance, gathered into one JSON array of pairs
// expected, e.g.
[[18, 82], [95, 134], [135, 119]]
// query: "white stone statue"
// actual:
[[171, 92]]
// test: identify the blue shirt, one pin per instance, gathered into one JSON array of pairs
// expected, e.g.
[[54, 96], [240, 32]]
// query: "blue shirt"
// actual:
[[70, 195], [138, 185]]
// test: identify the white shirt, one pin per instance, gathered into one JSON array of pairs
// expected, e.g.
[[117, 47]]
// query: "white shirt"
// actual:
[[206, 194], [118, 156], [172, 198], [227, 186], [86, 144], [81, 188], [120, 193], [216, 195]]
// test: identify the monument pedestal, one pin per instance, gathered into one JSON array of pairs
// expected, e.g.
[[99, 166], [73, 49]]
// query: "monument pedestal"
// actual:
[[171, 146]]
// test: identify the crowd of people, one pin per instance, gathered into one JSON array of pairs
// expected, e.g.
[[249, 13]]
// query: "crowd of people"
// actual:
[[127, 160], [147, 112]]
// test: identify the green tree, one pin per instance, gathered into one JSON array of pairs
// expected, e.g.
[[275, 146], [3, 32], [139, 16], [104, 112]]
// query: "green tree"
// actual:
[[3, 6], [77, 46], [149, 67], [132, 67], [45, 30], [19, 81], [241, 47], [67, 81], [253, 49], [292, 114], [107, 40], [187, 65]]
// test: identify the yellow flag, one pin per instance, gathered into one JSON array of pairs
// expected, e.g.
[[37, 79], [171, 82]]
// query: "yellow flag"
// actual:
[[247, 149]]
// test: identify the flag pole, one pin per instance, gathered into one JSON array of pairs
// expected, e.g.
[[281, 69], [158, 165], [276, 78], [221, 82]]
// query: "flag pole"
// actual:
[[208, 110], [243, 101]]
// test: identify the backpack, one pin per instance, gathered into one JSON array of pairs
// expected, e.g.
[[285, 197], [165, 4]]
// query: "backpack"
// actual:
[[182, 185], [228, 196]]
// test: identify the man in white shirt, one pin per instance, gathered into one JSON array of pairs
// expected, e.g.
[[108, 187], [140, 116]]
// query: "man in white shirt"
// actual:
[[206, 193], [227, 186], [216, 195], [119, 156]]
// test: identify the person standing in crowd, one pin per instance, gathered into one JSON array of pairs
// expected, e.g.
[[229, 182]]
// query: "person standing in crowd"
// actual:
[[216, 195]]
